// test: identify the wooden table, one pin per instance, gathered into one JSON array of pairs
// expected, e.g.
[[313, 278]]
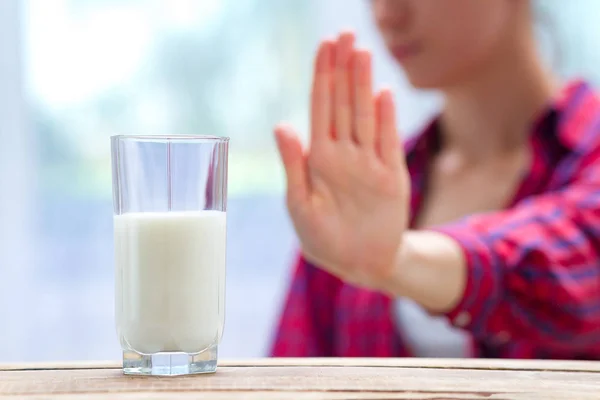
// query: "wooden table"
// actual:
[[315, 379]]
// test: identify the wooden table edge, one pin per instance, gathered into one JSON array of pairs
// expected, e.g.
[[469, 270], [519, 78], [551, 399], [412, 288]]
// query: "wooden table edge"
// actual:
[[435, 363]]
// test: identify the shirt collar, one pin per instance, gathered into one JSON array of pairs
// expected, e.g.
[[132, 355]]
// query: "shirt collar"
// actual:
[[572, 118], [578, 110]]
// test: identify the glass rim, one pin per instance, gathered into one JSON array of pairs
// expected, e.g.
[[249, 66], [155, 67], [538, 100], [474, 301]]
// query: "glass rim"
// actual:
[[174, 137]]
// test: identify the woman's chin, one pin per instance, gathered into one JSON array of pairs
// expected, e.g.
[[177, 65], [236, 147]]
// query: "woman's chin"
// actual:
[[423, 81], [421, 77]]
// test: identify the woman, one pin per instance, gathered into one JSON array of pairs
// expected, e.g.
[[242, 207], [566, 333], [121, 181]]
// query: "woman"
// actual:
[[490, 219]]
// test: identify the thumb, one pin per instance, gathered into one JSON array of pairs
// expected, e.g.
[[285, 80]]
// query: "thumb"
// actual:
[[294, 161]]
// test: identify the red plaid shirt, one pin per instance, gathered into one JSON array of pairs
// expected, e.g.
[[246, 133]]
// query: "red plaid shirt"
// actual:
[[533, 288]]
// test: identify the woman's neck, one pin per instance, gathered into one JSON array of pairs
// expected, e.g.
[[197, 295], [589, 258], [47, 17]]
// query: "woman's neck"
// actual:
[[491, 112]]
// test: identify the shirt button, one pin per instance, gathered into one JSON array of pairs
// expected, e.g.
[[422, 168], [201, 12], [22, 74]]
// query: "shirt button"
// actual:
[[462, 319]]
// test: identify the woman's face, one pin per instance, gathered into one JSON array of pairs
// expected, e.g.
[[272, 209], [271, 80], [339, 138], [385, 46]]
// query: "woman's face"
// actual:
[[439, 42]]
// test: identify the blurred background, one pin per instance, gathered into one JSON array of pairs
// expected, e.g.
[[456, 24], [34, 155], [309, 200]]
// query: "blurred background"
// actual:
[[74, 72]]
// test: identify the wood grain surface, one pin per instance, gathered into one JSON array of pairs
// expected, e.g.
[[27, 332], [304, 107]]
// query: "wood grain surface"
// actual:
[[407, 378]]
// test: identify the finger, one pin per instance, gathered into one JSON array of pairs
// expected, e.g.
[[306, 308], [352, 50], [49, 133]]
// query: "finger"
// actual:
[[363, 113], [390, 147], [343, 80], [321, 94], [294, 162], [378, 106]]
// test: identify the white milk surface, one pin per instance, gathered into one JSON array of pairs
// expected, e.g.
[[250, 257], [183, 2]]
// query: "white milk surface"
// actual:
[[170, 280]]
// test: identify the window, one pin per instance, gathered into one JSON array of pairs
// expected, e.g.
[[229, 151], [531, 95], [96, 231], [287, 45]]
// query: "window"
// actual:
[[74, 72], [97, 68]]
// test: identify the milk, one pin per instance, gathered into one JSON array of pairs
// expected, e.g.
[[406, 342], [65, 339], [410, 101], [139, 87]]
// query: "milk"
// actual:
[[170, 280]]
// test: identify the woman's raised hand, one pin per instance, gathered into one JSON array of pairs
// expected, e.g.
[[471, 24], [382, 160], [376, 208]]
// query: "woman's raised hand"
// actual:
[[348, 194]]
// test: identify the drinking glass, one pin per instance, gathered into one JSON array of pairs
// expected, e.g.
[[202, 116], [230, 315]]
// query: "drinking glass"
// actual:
[[170, 200]]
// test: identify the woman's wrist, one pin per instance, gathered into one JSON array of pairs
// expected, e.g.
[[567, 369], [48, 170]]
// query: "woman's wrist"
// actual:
[[430, 269]]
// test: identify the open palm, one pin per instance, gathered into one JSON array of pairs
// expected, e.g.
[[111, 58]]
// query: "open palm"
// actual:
[[347, 195]]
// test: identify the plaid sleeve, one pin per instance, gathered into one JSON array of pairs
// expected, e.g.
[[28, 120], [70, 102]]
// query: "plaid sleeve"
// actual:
[[534, 270], [305, 328]]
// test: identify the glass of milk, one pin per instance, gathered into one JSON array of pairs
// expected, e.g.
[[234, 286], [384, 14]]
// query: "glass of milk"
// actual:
[[170, 198]]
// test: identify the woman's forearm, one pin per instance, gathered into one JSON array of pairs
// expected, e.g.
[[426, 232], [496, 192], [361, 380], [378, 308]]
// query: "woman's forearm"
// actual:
[[431, 270]]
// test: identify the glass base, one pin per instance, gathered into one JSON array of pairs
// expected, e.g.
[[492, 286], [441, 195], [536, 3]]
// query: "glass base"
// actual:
[[170, 364]]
